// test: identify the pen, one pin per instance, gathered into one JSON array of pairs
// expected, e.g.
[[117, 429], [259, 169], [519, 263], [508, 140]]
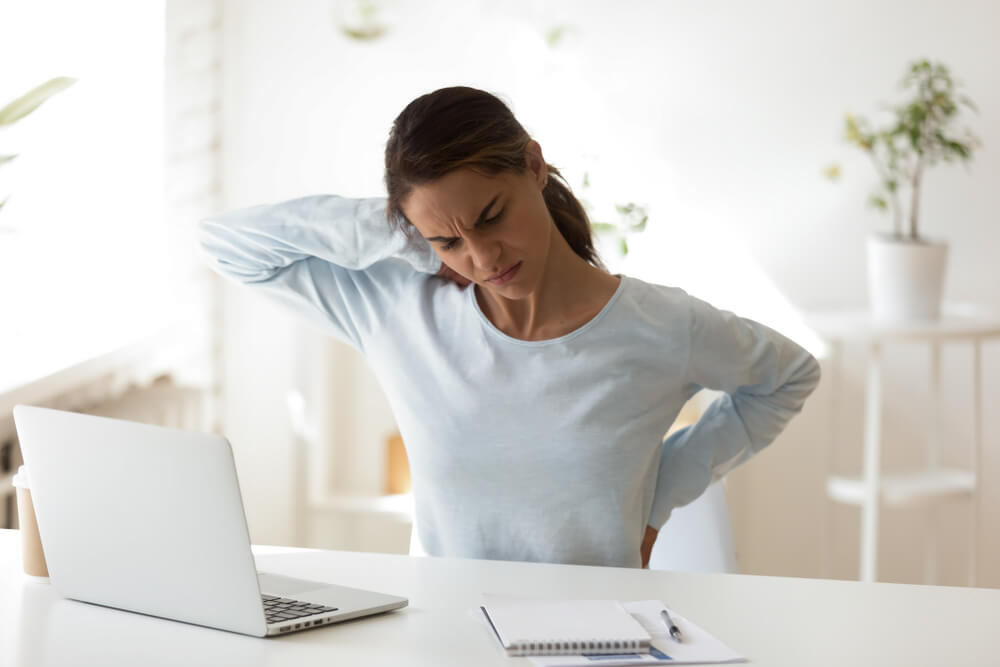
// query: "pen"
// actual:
[[674, 632]]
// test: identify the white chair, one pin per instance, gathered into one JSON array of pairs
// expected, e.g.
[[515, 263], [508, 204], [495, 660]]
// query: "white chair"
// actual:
[[416, 548], [698, 537]]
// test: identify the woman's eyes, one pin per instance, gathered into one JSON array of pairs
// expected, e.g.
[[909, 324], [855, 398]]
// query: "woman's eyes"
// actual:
[[495, 218], [489, 221]]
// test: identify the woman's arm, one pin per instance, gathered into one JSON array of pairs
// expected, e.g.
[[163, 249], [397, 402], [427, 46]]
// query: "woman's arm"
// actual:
[[766, 378], [334, 260], [646, 548]]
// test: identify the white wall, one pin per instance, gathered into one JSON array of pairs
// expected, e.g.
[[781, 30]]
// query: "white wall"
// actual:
[[719, 116]]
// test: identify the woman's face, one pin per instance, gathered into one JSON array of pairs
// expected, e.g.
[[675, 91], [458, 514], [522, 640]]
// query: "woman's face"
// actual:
[[495, 231]]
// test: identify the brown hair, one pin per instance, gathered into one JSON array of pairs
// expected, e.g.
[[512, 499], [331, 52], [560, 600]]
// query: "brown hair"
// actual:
[[462, 127]]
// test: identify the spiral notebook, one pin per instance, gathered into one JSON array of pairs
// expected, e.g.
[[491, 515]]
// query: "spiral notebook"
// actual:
[[564, 627]]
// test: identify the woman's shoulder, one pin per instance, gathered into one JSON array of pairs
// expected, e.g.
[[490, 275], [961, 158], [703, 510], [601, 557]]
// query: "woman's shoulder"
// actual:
[[653, 308], [643, 293]]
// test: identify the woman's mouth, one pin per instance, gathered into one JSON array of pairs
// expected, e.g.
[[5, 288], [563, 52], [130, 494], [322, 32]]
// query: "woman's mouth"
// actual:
[[506, 276]]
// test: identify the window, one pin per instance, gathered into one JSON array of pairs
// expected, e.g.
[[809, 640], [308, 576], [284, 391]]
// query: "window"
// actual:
[[83, 244]]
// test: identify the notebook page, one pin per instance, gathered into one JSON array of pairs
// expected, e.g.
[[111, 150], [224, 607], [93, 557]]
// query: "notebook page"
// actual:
[[520, 620]]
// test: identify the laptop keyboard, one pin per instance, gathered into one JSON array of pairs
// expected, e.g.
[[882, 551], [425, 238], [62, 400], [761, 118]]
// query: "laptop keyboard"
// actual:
[[279, 609]]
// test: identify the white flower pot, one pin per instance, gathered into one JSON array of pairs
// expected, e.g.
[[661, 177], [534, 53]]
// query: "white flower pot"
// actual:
[[905, 278]]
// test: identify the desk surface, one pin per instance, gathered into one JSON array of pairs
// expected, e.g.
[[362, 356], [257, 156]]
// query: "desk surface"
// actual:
[[771, 620]]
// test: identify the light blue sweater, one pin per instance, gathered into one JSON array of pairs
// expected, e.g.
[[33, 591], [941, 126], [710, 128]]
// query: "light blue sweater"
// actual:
[[547, 450]]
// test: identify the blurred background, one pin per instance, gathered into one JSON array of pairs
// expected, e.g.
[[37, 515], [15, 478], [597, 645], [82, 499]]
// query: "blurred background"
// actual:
[[716, 119]]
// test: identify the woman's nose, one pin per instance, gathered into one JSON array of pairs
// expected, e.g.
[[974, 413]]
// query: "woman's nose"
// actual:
[[485, 254]]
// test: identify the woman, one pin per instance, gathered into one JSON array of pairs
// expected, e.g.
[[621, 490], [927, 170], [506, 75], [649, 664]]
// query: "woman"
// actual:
[[531, 387]]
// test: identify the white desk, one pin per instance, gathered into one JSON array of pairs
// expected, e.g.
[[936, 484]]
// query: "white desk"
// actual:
[[772, 620]]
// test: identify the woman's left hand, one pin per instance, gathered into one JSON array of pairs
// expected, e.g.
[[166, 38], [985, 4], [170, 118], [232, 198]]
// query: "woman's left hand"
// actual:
[[449, 274], [647, 544]]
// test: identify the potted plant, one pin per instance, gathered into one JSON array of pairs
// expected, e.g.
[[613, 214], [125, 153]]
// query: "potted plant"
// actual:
[[27, 103], [905, 268], [631, 220]]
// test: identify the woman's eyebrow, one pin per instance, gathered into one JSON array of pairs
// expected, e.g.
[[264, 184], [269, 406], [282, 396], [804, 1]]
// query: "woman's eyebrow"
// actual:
[[479, 220]]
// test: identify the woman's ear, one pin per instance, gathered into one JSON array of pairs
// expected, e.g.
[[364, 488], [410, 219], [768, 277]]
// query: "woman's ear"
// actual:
[[536, 163]]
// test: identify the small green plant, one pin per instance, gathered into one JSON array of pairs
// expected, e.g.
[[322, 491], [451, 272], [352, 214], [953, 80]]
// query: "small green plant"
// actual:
[[27, 103], [555, 34], [360, 19], [631, 220], [920, 136]]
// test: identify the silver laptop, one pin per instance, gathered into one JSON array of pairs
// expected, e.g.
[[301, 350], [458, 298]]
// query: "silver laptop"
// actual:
[[149, 519]]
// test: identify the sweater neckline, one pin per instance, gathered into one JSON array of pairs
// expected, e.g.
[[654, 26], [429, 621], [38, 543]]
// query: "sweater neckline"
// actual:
[[548, 341]]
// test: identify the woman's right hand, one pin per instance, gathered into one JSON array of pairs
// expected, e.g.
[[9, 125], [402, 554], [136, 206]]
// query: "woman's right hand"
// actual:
[[449, 274]]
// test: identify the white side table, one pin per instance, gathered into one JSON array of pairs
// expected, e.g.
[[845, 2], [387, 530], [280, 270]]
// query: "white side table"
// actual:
[[958, 322]]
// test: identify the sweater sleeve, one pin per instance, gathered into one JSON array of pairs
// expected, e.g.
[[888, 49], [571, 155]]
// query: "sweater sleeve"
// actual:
[[332, 259], [765, 379]]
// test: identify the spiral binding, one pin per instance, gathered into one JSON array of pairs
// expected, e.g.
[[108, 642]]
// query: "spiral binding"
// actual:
[[575, 647]]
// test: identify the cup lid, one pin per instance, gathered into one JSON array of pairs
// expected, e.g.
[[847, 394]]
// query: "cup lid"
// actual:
[[21, 478]]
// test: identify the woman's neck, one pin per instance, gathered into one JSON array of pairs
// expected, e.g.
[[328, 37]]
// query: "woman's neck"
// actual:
[[570, 293]]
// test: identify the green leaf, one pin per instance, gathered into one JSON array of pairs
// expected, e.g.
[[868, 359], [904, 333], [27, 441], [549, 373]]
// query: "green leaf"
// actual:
[[851, 131], [603, 227], [4, 202], [555, 35], [968, 102], [624, 246], [31, 100], [878, 202], [641, 225], [960, 149], [6, 158]]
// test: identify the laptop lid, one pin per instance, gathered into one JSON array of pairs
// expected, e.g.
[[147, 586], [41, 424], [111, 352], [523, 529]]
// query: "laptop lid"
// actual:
[[141, 517]]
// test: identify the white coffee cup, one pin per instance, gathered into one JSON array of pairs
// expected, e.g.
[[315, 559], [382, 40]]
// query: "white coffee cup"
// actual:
[[31, 541]]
